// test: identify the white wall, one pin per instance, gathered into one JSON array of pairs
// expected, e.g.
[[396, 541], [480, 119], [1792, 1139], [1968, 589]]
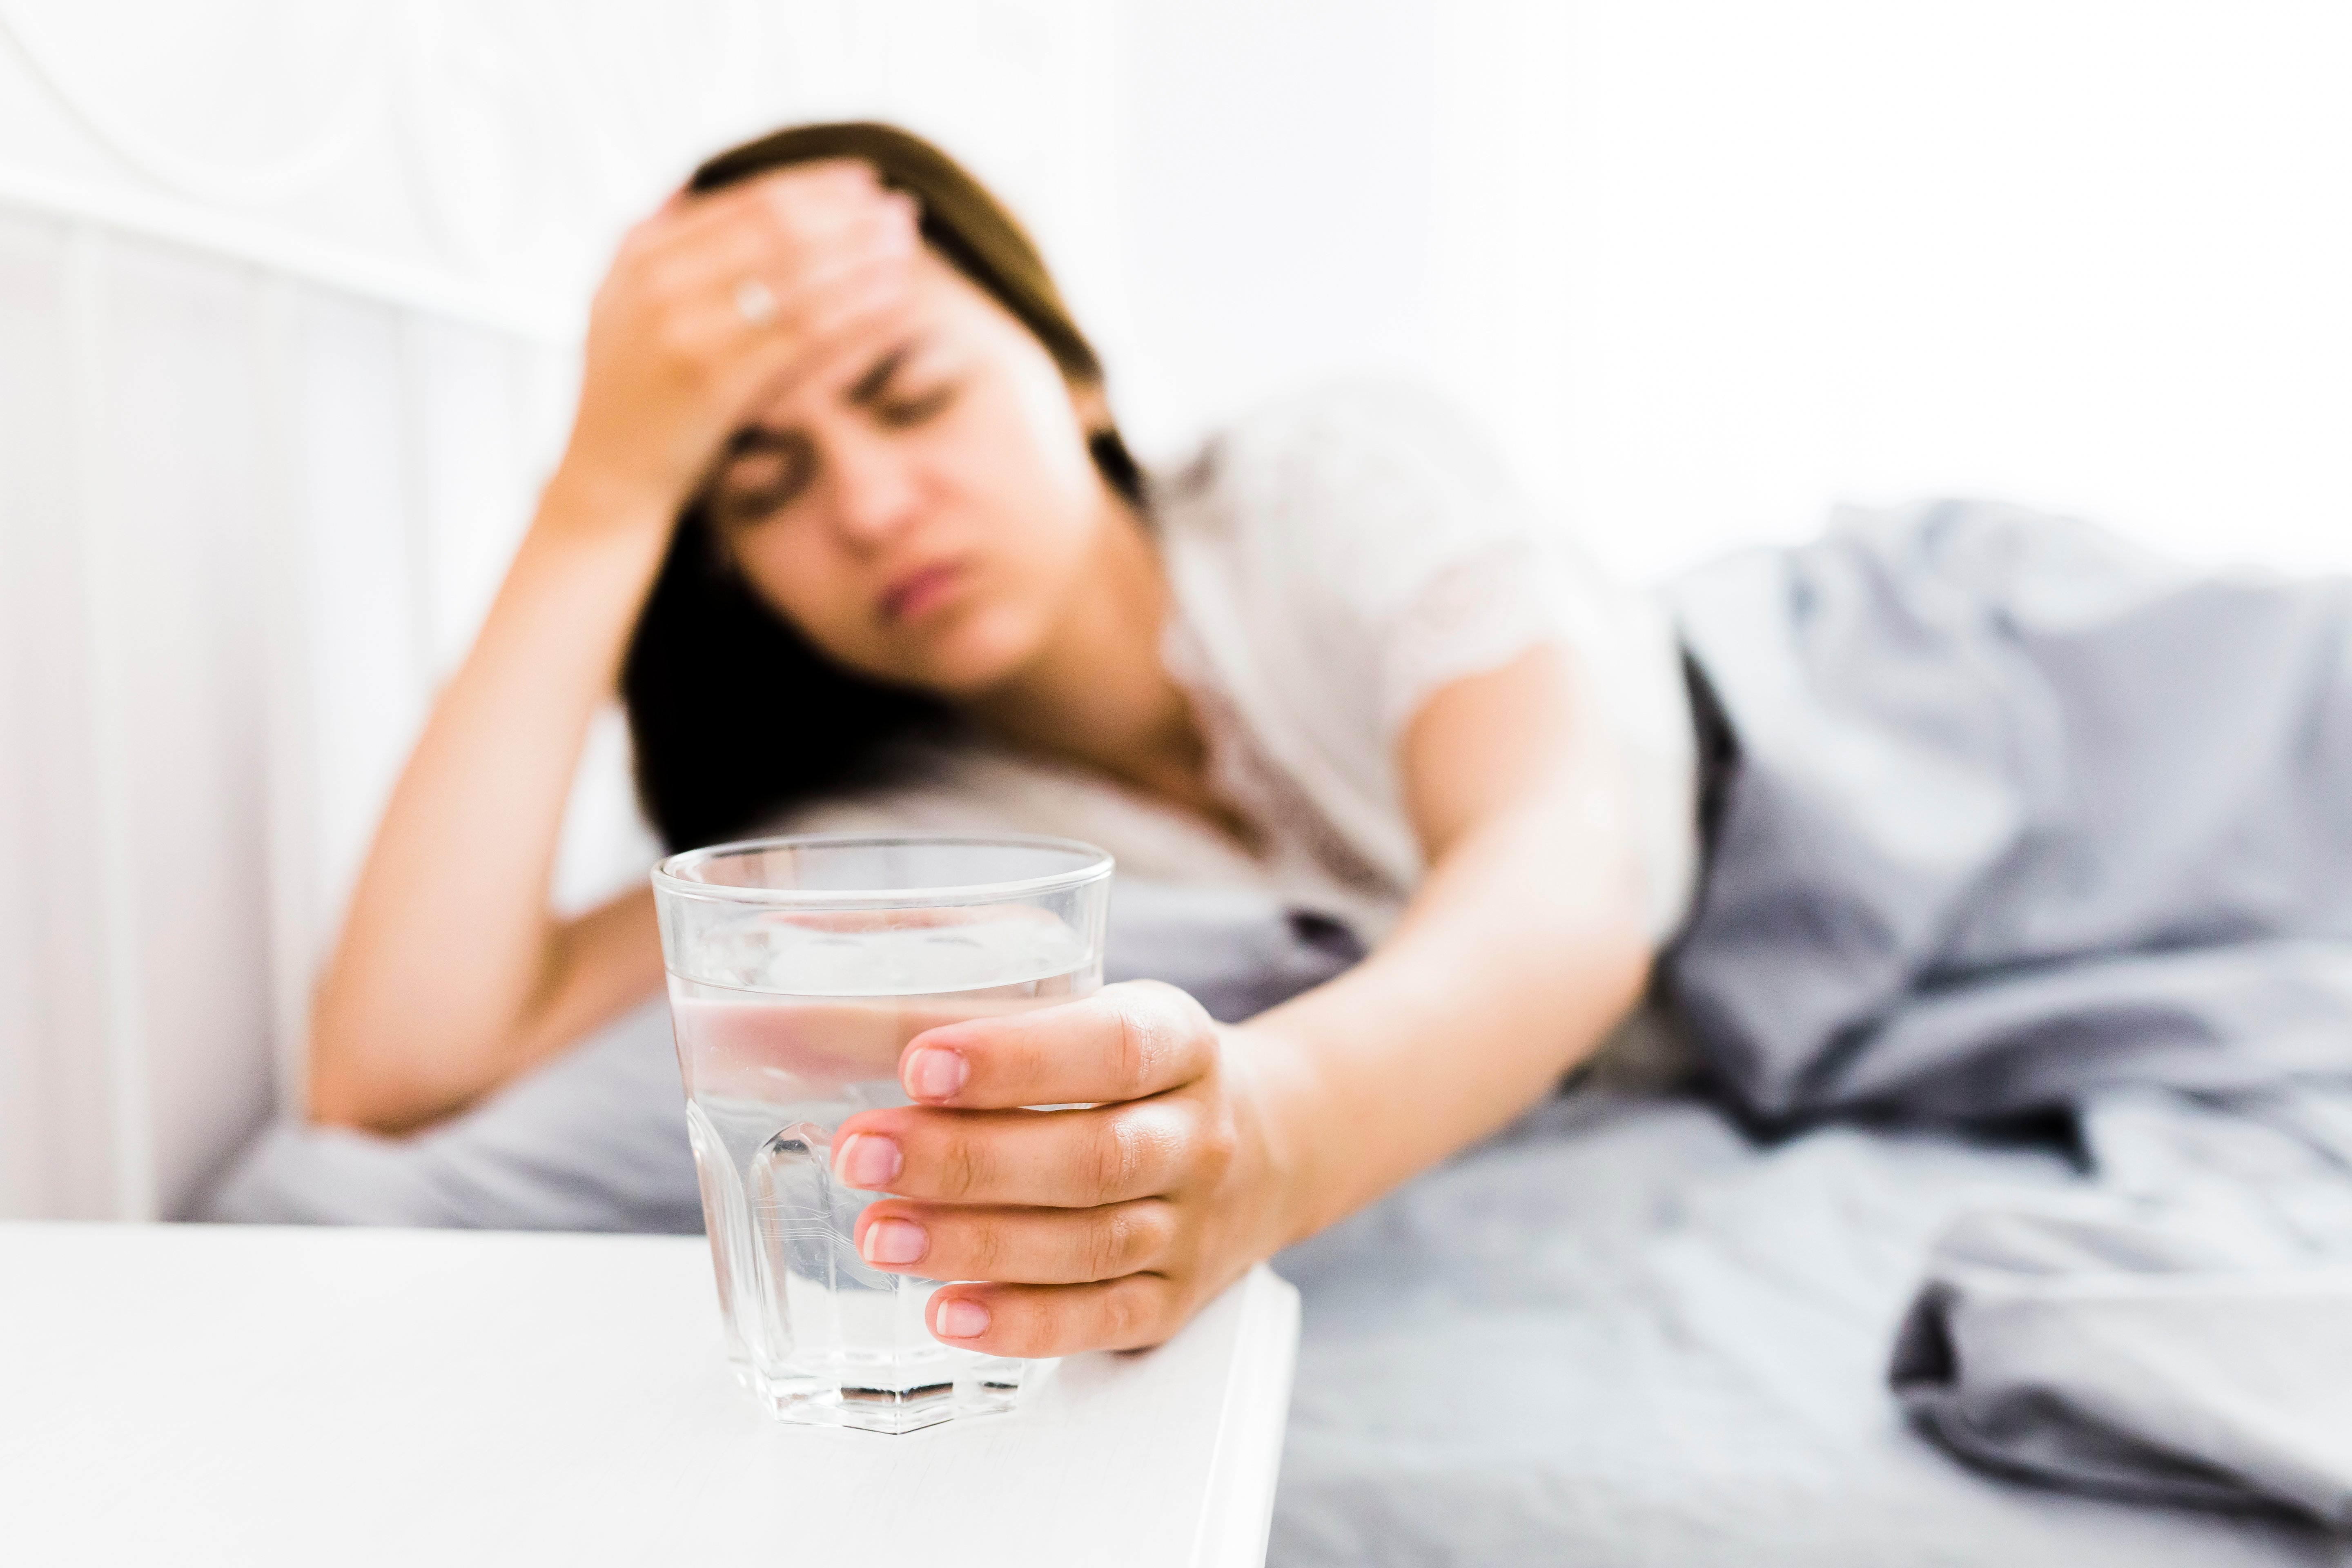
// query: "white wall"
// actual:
[[1708, 266], [288, 293]]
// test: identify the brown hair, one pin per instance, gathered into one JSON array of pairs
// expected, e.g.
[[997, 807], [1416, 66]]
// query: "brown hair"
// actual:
[[733, 712]]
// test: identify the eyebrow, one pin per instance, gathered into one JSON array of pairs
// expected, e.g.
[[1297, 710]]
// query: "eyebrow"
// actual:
[[870, 385]]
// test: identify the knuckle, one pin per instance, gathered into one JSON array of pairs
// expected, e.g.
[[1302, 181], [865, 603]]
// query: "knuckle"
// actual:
[[661, 279], [962, 1167], [1112, 1155], [1118, 1243], [1152, 1229], [1131, 1312], [677, 341], [985, 1248], [1034, 1330], [1159, 1026], [1140, 1045], [1105, 1243], [1216, 1141]]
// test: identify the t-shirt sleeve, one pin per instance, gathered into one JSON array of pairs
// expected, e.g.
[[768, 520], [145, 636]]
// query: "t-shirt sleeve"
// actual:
[[1346, 555], [1392, 541]]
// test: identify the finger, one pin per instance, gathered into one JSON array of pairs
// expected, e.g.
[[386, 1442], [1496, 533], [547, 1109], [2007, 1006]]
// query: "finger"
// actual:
[[843, 329], [815, 198], [756, 363], [801, 316], [1124, 1314], [799, 238], [1023, 1245], [1124, 1042], [717, 263], [802, 311], [678, 256], [1058, 1159], [800, 193]]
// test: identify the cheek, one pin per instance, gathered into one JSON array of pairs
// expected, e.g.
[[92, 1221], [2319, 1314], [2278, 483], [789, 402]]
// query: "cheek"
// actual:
[[1065, 470], [1028, 469], [791, 567]]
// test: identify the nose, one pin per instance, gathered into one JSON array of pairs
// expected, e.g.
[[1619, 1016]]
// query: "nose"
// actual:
[[871, 488]]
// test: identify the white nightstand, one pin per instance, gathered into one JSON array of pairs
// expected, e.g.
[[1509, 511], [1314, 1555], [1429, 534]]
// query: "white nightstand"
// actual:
[[196, 1394]]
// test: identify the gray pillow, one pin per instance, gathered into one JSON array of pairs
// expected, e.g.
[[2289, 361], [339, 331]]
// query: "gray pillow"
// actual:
[[595, 1140]]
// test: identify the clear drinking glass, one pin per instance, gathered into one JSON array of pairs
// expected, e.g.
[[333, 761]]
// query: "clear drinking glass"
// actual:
[[798, 968]]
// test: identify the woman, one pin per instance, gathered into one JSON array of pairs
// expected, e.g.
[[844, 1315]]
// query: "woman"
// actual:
[[843, 468], [2013, 815]]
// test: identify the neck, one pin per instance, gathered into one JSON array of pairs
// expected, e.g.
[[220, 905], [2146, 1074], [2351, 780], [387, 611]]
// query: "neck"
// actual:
[[1097, 693]]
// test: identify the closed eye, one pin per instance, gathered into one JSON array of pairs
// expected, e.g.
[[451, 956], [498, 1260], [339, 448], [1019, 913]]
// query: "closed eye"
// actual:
[[899, 412], [908, 385], [761, 471]]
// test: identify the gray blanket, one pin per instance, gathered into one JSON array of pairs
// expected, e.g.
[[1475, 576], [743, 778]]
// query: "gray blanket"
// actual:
[[2023, 819]]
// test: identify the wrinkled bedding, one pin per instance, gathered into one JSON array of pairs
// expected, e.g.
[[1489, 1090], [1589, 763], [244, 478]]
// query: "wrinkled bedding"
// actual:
[[1626, 1335], [2024, 820]]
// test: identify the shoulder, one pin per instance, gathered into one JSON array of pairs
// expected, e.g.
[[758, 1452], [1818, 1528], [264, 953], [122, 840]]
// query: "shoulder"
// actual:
[[1359, 433], [1366, 484]]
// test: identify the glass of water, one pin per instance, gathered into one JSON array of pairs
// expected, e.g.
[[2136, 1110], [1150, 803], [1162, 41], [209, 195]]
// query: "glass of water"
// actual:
[[799, 968]]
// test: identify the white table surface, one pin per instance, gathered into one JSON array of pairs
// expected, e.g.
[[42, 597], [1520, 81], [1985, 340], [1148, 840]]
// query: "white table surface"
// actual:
[[176, 1395]]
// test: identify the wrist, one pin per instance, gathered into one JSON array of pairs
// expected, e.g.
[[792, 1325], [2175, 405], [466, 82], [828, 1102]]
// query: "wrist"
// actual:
[[586, 498], [1274, 1079]]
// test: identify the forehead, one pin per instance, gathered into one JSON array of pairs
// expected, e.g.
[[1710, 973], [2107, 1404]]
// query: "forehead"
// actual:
[[946, 314]]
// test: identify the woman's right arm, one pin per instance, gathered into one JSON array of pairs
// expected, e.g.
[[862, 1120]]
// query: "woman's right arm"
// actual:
[[451, 974]]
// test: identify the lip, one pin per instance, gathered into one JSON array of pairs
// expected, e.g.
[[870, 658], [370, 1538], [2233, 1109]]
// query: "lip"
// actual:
[[916, 594]]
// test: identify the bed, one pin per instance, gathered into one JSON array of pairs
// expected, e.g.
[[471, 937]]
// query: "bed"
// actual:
[[1626, 1333]]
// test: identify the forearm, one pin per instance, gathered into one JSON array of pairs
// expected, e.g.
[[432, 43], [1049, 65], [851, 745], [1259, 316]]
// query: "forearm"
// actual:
[[1521, 951], [448, 946]]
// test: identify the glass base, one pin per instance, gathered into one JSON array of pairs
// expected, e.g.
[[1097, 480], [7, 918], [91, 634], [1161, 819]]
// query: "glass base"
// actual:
[[971, 1385]]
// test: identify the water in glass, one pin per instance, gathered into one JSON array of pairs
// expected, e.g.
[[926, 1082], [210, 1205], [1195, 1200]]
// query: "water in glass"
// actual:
[[796, 1024]]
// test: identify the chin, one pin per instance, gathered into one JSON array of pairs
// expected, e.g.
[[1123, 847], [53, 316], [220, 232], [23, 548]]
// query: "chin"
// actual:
[[980, 652]]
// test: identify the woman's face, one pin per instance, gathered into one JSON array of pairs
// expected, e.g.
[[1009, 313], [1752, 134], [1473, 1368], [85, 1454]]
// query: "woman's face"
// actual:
[[922, 503]]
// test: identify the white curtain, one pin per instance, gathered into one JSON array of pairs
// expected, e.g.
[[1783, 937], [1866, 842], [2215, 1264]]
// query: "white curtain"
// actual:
[[289, 292]]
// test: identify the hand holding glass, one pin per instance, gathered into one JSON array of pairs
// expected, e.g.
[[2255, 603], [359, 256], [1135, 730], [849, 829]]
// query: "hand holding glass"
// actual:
[[799, 968]]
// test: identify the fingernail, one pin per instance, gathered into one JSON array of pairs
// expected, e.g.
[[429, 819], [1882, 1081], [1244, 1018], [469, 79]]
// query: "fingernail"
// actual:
[[961, 1319], [936, 1074], [895, 1241], [867, 1160]]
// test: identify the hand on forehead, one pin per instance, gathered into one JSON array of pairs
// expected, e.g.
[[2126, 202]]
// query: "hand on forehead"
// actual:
[[908, 327]]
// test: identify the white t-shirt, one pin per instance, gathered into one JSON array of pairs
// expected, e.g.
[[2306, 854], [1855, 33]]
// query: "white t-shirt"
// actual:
[[1336, 558]]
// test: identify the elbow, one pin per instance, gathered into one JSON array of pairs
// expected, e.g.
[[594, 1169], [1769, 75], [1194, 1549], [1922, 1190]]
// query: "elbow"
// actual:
[[364, 1083], [340, 1093]]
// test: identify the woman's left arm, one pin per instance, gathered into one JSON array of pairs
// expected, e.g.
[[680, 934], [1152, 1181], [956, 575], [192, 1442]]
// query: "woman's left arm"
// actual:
[[1208, 1148]]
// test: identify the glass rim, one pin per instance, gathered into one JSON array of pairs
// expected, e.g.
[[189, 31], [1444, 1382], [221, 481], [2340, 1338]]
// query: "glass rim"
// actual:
[[1097, 866]]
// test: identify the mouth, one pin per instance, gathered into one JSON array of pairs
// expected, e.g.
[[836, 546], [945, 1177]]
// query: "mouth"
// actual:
[[916, 594]]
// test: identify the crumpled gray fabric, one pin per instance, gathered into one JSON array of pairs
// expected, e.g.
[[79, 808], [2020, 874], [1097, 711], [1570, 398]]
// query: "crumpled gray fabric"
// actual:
[[2185, 1333], [1628, 1335], [2025, 819], [595, 1140], [2021, 811]]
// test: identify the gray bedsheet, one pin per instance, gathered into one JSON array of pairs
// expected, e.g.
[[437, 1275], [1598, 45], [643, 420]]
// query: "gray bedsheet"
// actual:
[[2024, 819], [1626, 1335], [2183, 1333]]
